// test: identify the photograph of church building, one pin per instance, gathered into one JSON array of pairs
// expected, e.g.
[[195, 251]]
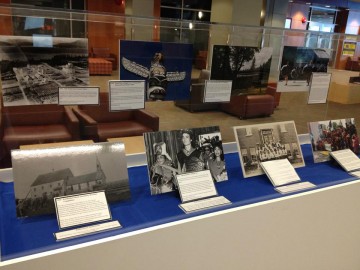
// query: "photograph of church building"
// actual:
[[39, 177]]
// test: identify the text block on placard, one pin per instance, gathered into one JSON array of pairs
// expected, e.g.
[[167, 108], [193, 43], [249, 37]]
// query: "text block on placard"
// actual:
[[79, 95], [126, 95], [83, 208], [217, 91], [319, 87], [196, 185]]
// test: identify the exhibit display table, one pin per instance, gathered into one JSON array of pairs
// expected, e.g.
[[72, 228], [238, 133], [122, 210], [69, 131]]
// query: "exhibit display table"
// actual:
[[133, 144], [262, 229], [344, 93]]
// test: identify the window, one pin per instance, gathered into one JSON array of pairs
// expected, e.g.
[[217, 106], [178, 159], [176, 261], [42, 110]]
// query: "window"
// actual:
[[193, 10], [24, 25]]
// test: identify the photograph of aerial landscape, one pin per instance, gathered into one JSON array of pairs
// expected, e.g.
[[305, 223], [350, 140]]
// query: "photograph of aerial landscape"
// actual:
[[32, 71]]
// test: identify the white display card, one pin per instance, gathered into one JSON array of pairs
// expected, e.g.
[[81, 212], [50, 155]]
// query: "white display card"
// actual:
[[79, 95], [196, 185], [347, 159], [217, 91], [83, 208], [204, 204], [280, 172], [355, 173], [126, 95], [319, 87], [106, 226], [295, 187]]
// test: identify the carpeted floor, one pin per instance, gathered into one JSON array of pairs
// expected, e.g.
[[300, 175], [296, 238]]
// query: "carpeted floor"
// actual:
[[293, 106]]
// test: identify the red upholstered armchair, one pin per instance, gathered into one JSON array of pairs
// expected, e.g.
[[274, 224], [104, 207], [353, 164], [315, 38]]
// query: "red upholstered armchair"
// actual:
[[249, 106], [201, 59], [98, 123], [34, 124], [271, 90], [104, 53]]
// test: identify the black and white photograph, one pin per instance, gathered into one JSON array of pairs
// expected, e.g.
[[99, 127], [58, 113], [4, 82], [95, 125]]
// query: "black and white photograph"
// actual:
[[333, 135], [247, 67], [297, 66], [32, 71], [42, 174], [182, 151], [264, 142]]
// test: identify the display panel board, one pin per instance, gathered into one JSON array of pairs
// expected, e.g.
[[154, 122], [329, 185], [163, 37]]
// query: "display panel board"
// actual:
[[247, 67], [79, 95], [319, 87], [165, 66], [264, 142], [126, 95], [42, 174], [31, 73], [182, 151], [297, 66], [332, 135]]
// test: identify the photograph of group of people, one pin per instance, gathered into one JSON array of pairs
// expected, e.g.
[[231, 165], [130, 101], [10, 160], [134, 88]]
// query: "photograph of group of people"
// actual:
[[182, 151], [264, 142], [271, 151], [298, 65], [333, 135]]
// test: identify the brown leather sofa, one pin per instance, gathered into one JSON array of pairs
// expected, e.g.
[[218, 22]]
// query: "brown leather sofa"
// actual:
[[353, 65], [104, 53], [35, 124], [271, 90], [248, 106], [201, 59], [97, 123]]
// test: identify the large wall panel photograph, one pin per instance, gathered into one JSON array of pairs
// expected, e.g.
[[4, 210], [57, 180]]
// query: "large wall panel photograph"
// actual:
[[247, 67], [165, 66], [33, 68]]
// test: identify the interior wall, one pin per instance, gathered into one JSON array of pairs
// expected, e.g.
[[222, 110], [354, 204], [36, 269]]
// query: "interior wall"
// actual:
[[296, 12], [141, 29], [247, 12], [102, 34], [221, 11], [276, 12]]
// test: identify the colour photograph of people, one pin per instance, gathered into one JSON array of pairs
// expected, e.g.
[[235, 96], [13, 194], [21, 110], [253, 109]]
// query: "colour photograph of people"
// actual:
[[182, 151], [297, 67], [333, 135]]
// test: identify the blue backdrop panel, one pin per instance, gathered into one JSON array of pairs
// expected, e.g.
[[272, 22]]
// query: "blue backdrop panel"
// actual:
[[178, 57]]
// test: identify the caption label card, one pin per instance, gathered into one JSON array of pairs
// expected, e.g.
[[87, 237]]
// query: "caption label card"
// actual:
[[64, 235], [217, 91], [347, 159], [319, 87], [126, 95], [197, 185], [280, 172], [79, 95], [81, 209]]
